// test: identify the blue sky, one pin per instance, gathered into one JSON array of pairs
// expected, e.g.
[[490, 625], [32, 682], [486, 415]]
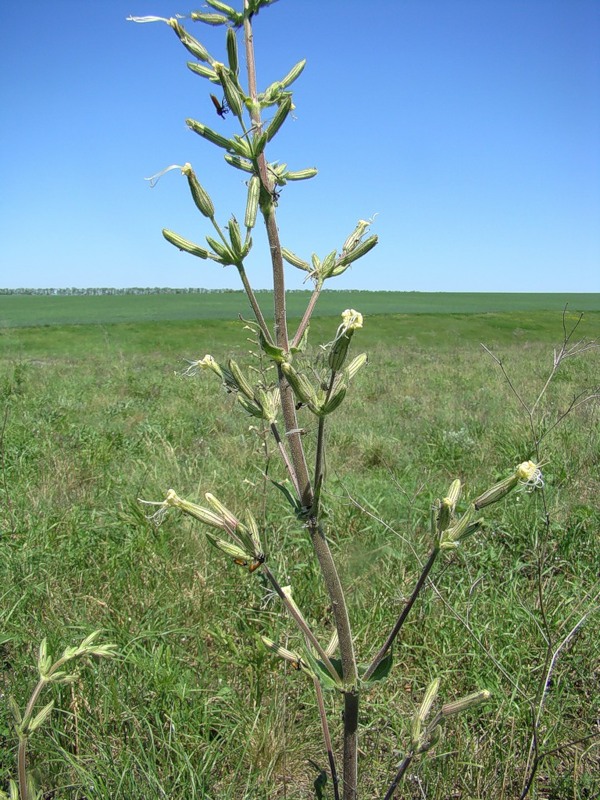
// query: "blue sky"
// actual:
[[470, 127]]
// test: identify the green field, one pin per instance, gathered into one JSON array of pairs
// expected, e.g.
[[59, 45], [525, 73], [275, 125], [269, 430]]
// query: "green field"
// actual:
[[95, 416], [24, 310]]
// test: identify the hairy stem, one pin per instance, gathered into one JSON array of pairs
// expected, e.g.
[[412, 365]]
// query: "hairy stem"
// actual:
[[22, 768], [298, 457]]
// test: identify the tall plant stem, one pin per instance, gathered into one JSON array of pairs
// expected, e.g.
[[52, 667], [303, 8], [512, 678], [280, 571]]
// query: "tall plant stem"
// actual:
[[348, 659], [22, 768], [281, 332], [405, 612], [319, 541]]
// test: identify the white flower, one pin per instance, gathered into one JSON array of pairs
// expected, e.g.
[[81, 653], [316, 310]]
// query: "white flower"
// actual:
[[530, 476]]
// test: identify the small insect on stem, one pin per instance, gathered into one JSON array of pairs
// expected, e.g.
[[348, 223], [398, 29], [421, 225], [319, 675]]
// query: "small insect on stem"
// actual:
[[259, 559], [221, 107], [256, 563]]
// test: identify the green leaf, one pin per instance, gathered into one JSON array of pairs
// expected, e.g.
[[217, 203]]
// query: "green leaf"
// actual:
[[320, 783], [383, 668], [275, 353], [322, 673], [293, 501]]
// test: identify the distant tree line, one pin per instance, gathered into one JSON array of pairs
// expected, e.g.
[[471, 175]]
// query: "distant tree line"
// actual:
[[107, 290]]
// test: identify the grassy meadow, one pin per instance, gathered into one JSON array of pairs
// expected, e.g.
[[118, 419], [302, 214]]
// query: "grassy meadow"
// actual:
[[95, 416]]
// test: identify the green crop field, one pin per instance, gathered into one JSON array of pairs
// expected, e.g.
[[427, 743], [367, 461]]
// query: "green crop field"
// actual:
[[25, 310], [95, 416]]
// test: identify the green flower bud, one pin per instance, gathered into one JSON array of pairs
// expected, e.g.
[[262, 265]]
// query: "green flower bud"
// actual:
[[204, 515], [239, 163], [301, 174], [210, 135], [423, 712], [293, 74], [462, 528], [527, 473], [44, 661], [453, 495], [29, 726], [192, 45], [201, 198], [241, 147], [428, 700], [236, 238], [338, 352], [15, 710], [351, 242], [204, 72], [259, 141], [351, 321], [231, 13], [327, 265], [183, 244], [231, 522], [288, 655], [254, 533], [269, 402], [250, 406], [223, 253], [280, 116], [294, 260], [333, 402], [239, 377], [356, 364], [241, 557], [232, 53], [358, 252], [447, 506], [209, 19], [252, 202], [470, 701], [232, 94], [302, 388]]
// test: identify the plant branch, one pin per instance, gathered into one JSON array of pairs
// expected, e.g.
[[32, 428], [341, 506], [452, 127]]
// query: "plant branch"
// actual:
[[327, 738], [405, 612], [533, 760], [301, 623], [307, 315], [254, 303]]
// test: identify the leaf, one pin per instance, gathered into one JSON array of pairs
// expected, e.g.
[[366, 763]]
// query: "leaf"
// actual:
[[383, 668], [288, 496], [320, 783], [322, 673], [40, 718]]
